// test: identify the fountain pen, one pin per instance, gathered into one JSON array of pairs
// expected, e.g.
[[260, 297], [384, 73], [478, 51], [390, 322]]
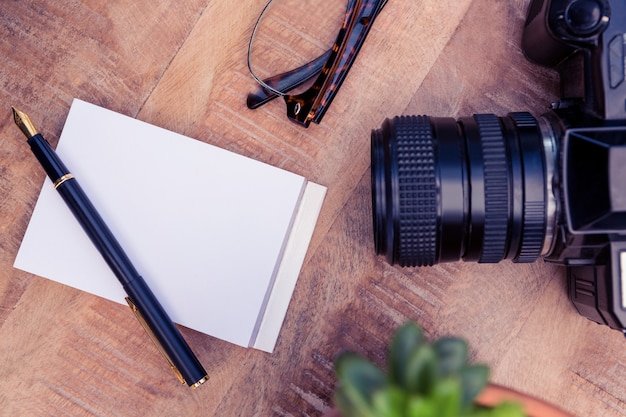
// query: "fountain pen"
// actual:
[[141, 300]]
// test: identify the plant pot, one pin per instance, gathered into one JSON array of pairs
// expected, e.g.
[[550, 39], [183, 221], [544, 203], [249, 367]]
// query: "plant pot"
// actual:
[[495, 394]]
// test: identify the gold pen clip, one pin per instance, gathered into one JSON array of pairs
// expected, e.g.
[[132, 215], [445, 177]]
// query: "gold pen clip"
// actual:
[[156, 342]]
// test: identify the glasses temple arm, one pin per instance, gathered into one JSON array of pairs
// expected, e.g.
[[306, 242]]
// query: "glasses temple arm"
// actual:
[[313, 103], [286, 81]]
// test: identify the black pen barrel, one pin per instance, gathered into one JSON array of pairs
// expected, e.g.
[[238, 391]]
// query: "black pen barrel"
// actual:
[[159, 323], [166, 332]]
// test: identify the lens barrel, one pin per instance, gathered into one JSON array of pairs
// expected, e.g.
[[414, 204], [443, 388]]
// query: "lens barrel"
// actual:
[[472, 189]]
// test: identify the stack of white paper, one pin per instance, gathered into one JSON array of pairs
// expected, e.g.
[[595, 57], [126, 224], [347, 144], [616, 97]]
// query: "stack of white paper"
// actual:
[[218, 237]]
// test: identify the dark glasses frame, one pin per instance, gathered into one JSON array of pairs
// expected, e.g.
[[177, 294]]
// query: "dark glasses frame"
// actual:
[[330, 68]]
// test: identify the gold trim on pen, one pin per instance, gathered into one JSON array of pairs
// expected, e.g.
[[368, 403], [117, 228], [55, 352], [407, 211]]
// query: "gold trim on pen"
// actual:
[[202, 381], [61, 180], [156, 342]]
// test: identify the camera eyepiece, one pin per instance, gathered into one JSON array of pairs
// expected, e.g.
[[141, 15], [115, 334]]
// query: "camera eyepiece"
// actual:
[[476, 189]]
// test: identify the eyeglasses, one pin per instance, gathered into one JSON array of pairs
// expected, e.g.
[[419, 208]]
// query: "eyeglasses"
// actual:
[[330, 68]]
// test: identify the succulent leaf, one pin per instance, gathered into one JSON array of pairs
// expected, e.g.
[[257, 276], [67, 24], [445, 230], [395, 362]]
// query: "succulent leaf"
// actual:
[[358, 381], [474, 379], [405, 341], [452, 353], [421, 407], [447, 395], [390, 402], [351, 407], [421, 372]]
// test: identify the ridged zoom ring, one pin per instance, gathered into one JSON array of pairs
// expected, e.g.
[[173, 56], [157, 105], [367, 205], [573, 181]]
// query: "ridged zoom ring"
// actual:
[[497, 188], [416, 189]]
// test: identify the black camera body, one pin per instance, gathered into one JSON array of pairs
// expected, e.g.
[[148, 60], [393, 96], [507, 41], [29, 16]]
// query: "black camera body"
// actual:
[[487, 188]]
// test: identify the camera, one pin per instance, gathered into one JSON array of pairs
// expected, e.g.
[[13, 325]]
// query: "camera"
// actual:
[[486, 188]]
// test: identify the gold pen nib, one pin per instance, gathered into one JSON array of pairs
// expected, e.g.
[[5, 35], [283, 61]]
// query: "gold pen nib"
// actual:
[[23, 122]]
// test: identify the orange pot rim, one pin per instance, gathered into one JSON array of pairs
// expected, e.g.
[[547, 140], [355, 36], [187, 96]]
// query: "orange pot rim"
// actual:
[[494, 394]]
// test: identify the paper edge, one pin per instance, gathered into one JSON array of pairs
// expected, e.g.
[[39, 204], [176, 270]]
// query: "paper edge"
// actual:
[[297, 246], [283, 250]]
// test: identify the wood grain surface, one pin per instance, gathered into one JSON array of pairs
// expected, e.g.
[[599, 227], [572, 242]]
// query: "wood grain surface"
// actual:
[[182, 66]]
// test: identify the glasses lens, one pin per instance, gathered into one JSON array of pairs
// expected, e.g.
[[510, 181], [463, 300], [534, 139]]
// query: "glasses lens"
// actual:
[[293, 33]]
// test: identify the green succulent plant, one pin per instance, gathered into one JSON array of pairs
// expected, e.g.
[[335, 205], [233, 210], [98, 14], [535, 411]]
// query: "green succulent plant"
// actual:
[[422, 380]]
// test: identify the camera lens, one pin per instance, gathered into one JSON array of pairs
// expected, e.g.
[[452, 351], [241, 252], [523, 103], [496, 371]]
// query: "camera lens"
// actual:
[[474, 189]]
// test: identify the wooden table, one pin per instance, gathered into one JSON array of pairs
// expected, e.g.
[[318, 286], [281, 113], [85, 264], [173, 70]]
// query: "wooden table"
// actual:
[[182, 66]]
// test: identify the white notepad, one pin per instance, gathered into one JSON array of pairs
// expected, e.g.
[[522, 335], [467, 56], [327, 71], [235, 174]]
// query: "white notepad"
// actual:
[[218, 237]]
